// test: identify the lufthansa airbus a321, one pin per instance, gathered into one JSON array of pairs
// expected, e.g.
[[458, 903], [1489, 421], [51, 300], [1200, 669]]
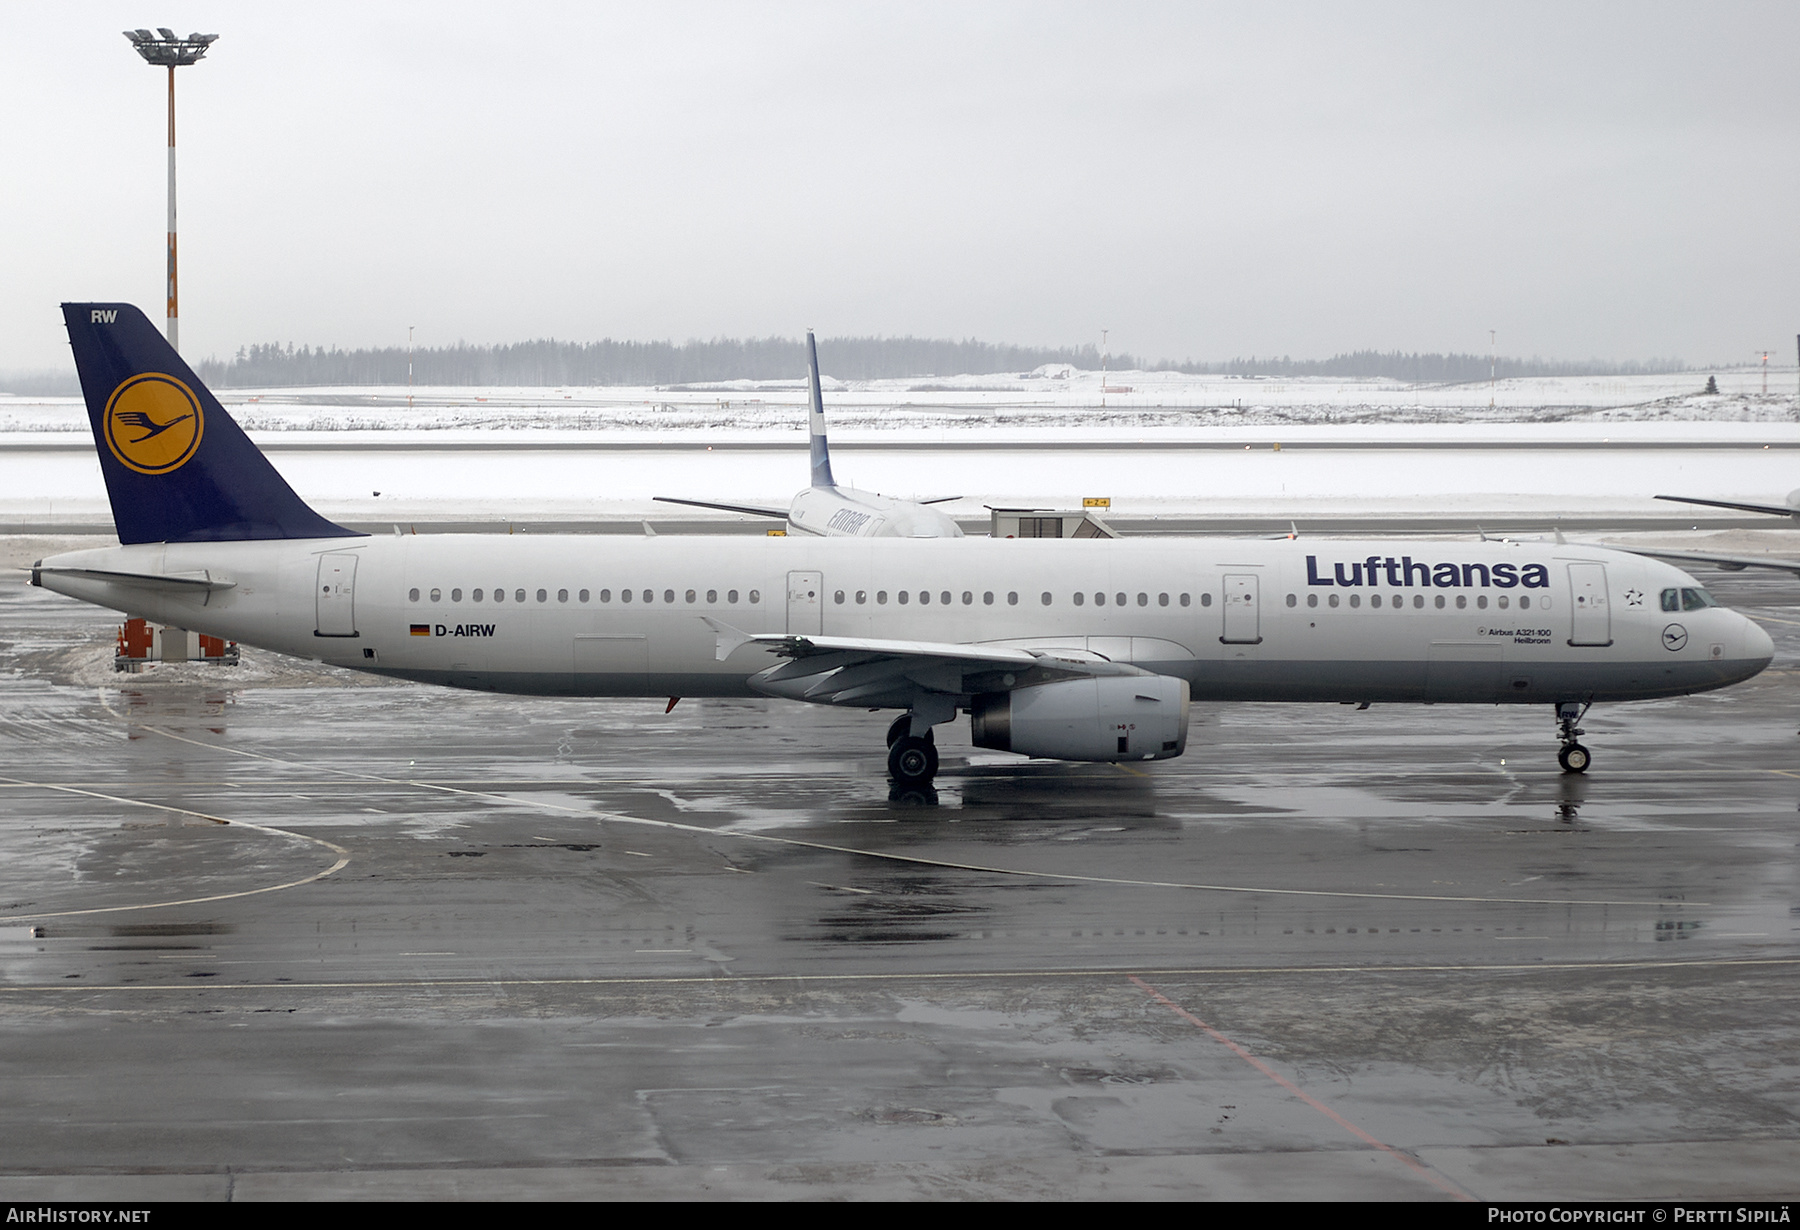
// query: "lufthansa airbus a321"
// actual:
[[1076, 650]]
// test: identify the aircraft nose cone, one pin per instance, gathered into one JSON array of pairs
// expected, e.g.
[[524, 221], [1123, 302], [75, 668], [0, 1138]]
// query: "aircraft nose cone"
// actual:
[[1757, 644]]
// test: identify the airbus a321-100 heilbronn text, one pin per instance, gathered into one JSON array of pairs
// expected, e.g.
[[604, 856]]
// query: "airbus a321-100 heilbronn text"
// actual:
[[1065, 649]]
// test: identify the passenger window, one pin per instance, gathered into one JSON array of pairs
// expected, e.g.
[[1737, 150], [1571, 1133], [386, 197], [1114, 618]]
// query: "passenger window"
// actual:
[[756, 595], [476, 595], [1143, 599], [606, 595], [1418, 602], [499, 595], [904, 597], [1462, 600], [1046, 598], [519, 595], [944, 597], [1079, 598], [924, 597], [838, 597], [562, 595], [1312, 600], [436, 594], [1012, 599], [987, 598], [691, 595], [1524, 602], [582, 596], [1162, 600], [412, 596], [1481, 602], [1332, 600], [1099, 599], [1375, 601], [968, 598], [881, 597], [624, 595], [1355, 601], [456, 595], [668, 595], [542, 596], [712, 597], [1671, 600], [1292, 601], [862, 596], [1118, 599], [1440, 601], [1503, 602], [649, 595], [731, 597]]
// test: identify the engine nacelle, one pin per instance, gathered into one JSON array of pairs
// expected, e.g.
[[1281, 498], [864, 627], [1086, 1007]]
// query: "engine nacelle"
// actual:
[[1130, 717]]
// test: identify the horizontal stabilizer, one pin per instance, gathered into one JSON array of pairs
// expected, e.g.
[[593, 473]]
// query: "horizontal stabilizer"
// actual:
[[1774, 510], [202, 581], [746, 509]]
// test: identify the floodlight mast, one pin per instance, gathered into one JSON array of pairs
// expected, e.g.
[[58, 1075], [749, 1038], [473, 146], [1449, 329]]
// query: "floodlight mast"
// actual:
[[164, 50]]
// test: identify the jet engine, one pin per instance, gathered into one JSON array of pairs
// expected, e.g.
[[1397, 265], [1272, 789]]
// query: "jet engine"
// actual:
[[1129, 717]]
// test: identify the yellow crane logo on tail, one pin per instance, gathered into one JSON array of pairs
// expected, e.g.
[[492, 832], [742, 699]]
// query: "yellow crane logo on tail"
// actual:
[[153, 423]]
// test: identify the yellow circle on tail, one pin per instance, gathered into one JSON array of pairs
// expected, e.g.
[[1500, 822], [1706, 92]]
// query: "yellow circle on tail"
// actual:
[[153, 423]]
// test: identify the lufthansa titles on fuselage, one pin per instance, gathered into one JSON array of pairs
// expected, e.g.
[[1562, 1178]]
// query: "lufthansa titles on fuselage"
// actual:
[[1405, 572]]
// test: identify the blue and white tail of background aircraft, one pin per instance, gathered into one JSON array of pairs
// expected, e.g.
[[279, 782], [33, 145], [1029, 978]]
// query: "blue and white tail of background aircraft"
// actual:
[[1068, 649], [826, 510]]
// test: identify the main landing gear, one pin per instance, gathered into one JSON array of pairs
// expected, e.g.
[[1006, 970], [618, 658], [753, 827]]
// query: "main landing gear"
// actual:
[[1573, 757], [912, 759]]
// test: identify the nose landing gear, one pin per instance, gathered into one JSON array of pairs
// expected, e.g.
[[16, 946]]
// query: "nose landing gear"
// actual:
[[1573, 757]]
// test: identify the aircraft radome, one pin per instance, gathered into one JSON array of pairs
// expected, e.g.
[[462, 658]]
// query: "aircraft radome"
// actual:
[[826, 510], [1070, 649]]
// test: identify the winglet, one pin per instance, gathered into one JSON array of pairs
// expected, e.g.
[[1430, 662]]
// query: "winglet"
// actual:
[[821, 454]]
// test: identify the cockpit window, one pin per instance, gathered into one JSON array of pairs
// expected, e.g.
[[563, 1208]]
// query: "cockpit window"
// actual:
[[1671, 600], [1696, 599]]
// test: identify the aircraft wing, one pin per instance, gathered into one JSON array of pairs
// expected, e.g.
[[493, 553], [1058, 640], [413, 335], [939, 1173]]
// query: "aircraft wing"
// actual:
[[852, 670], [1731, 563], [736, 508], [1774, 510]]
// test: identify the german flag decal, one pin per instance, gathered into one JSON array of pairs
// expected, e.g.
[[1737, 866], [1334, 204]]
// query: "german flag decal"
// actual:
[[421, 629]]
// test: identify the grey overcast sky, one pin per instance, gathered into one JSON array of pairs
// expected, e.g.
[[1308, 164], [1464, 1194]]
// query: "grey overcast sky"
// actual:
[[1204, 180]]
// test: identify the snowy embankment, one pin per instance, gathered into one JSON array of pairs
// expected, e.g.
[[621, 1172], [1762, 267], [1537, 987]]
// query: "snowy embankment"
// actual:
[[1157, 444]]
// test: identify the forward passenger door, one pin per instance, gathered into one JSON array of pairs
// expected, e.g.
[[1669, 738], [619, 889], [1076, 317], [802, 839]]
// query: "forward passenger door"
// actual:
[[1590, 616]]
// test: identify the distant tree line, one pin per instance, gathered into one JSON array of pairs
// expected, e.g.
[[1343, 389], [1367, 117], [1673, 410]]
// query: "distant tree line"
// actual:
[[550, 363]]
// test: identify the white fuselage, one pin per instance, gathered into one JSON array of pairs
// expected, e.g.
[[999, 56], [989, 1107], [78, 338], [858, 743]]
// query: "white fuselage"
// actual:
[[601, 615]]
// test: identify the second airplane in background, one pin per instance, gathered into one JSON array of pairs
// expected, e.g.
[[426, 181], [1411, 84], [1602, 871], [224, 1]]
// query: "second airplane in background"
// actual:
[[826, 510]]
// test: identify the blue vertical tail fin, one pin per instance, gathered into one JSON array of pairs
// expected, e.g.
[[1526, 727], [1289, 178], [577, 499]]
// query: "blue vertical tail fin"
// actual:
[[821, 453], [177, 468]]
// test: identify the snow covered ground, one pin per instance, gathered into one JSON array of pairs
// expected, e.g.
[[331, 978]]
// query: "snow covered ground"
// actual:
[[1061, 398], [1163, 445]]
